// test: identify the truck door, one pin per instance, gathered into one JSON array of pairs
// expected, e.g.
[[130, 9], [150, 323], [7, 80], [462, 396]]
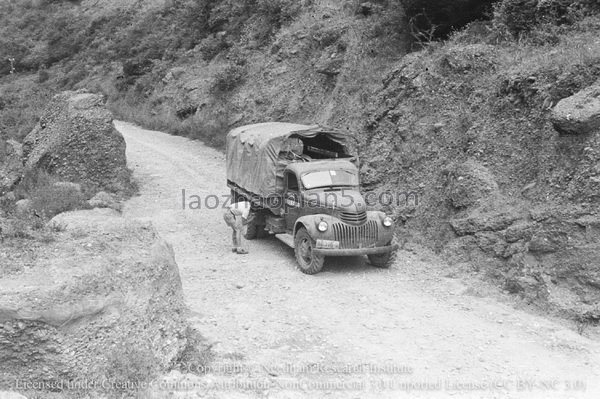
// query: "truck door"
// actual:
[[292, 200]]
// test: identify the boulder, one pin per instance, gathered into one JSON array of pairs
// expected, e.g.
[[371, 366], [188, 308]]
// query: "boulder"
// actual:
[[23, 208], [77, 141], [11, 164], [482, 221], [79, 220], [469, 183], [491, 242], [578, 114], [102, 300], [519, 231], [104, 200], [548, 241], [330, 65]]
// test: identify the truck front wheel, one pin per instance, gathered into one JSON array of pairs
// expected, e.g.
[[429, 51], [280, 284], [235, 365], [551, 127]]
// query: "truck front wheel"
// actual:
[[308, 261], [380, 260]]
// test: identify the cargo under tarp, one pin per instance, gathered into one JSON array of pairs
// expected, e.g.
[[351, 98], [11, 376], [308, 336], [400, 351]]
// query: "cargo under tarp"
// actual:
[[256, 154]]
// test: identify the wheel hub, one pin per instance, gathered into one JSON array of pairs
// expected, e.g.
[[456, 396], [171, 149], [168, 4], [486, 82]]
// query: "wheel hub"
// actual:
[[305, 250]]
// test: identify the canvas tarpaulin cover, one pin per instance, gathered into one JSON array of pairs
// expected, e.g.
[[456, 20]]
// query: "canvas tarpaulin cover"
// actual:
[[253, 153]]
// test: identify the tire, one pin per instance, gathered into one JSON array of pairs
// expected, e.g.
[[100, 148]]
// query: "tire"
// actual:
[[253, 229], [250, 231], [380, 260], [308, 262], [261, 232]]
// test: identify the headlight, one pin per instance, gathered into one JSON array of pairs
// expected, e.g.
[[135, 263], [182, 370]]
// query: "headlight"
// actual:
[[322, 226], [387, 221]]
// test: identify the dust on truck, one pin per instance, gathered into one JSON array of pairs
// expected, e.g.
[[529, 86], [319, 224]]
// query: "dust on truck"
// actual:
[[303, 185]]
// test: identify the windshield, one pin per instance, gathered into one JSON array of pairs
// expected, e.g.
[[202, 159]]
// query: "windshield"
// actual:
[[327, 178]]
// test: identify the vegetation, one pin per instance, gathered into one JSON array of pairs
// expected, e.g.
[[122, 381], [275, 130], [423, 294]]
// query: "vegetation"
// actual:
[[47, 199], [525, 16]]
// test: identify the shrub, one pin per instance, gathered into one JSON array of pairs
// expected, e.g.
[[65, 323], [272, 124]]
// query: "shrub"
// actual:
[[51, 200], [63, 39], [271, 15], [48, 198], [523, 16], [130, 364], [196, 355], [516, 16], [22, 106], [73, 76], [136, 67], [43, 76], [212, 46], [193, 16], [228, 78], [324, 35]]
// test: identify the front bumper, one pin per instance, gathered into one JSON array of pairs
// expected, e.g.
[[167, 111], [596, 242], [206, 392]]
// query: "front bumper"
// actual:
[[354, 251]]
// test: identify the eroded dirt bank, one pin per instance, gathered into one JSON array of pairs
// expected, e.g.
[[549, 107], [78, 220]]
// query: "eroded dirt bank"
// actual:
[[261, 313]]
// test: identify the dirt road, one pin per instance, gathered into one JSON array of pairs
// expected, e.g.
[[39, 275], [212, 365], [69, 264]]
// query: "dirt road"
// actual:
[[350, 331]]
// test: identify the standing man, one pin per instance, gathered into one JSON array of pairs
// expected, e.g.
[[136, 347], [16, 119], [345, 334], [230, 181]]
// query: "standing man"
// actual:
[[236, 217]]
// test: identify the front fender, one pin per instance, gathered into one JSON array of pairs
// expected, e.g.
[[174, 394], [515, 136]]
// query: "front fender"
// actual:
[[310, 222]]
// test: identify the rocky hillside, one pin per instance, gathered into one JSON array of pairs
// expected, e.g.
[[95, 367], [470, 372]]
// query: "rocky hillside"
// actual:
[[484, 126], [501, 141]]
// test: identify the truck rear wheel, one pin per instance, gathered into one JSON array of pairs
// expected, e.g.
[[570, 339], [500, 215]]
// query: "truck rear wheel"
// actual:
[[380, 260], [308, 261], [254, 227]]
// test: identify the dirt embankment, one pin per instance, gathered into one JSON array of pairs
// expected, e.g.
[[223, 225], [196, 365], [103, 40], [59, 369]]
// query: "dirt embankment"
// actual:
[[101, 301], [508, 180]]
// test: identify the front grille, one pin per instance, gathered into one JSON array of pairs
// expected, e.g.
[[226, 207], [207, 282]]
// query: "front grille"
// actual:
[[364, 236], [353, 218]]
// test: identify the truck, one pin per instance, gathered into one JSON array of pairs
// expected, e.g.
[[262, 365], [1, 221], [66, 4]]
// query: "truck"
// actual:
[[302, 182]]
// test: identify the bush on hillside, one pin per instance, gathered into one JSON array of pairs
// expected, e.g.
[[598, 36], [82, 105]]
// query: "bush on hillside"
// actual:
[[523, 16], [48, 199], [136, 67], [228, 78], [64, 39], [211, 46]]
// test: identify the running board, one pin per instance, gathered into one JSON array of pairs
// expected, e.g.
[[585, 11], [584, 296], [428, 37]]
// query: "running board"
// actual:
[[286, 238]]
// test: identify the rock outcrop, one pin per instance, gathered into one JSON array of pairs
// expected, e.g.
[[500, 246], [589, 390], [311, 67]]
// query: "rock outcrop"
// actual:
[[23, 208], [550, 253], [77, 141], [101, 302], [11, 164], [580, 113], [470, 183]]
